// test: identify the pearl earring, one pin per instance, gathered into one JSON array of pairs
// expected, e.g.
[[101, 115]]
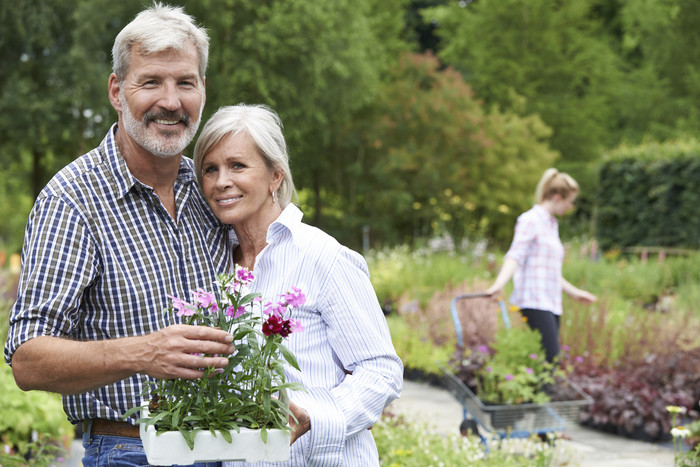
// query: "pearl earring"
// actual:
[[274, 197]]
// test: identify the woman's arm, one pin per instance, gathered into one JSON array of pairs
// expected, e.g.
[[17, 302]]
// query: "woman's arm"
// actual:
[[577, 294], [507, 270]]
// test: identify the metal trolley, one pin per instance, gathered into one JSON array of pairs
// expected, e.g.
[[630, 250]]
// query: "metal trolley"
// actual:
[[517, 420]]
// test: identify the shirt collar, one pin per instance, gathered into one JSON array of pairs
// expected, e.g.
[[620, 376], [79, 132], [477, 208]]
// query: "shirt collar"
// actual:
[[288, 221], [545, 215], [122, 176]]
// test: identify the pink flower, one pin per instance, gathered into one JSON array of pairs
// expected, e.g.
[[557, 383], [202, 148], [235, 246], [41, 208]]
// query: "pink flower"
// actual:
[[244, 275], [529, 371], [181, 307], [534, 356], [205, 300], [509, 377], [295, 298], [233, 312], [565, 348], [295, 325], [579, 359], [275, 309], [483, 349]]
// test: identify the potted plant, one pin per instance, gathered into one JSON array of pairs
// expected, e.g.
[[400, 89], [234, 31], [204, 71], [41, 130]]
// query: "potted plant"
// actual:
[[509, 385], [514, 370], [240, 412]]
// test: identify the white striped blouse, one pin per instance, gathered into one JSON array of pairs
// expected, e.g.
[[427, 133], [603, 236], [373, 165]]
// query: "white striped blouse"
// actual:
[[347, 360]]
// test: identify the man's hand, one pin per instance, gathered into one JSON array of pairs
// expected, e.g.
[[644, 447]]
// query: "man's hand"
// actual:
[[179, 351], [303, 423], [68, 366]]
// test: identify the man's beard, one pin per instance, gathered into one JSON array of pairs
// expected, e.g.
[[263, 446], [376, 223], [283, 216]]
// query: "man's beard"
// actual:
[[166, 144]]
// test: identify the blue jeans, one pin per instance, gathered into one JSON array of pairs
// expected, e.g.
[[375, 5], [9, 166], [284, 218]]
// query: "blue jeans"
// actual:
[[118, 451]]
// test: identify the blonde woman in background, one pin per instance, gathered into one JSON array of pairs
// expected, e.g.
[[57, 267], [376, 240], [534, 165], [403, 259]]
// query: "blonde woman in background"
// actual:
[[534, 260]]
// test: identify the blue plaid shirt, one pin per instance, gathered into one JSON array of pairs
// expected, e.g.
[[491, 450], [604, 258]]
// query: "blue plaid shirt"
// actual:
[[100, 256]]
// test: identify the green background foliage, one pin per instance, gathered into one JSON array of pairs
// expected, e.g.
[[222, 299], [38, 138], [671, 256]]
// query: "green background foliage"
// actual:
[[412, 118], [648, 197]]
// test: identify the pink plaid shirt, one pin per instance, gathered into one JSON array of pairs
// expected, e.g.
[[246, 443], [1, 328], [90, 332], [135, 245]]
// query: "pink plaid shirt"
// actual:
[[539, 253]]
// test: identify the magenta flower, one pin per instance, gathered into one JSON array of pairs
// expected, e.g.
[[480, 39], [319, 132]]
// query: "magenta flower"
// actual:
[[509, 377], [244, 276], [489, 369], [529, 371], [534, 356], [483, 349], [565, 348], [579, 359]]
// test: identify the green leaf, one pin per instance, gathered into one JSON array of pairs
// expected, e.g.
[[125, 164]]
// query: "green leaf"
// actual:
[[289, 357]]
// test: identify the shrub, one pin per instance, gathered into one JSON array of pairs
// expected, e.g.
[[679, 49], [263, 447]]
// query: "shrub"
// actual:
[[406, 444], [31, 416], [34, 429], [631, 399]]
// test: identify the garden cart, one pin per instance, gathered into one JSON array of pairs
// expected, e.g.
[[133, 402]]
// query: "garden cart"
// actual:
[[513, 420]]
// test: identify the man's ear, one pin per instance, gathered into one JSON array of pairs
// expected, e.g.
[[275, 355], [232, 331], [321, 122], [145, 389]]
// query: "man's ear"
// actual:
[[113, 89]]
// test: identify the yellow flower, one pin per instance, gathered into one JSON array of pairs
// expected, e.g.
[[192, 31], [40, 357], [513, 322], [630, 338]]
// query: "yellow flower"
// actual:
[[676, 409]]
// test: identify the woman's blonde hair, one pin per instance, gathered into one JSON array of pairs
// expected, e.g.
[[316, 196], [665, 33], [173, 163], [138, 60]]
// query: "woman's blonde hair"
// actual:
[[553, 183]]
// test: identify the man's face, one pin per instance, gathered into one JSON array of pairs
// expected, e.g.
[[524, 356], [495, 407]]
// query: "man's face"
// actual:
[[161, 99]]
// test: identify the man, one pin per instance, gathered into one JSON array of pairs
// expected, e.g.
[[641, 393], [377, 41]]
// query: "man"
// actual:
[[112, 235]]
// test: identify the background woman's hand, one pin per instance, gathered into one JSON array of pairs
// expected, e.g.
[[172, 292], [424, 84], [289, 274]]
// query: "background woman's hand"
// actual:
[[584, 297]]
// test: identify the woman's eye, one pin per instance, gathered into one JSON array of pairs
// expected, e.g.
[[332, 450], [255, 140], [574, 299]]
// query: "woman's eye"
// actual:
[[236, 166], [210, 170]]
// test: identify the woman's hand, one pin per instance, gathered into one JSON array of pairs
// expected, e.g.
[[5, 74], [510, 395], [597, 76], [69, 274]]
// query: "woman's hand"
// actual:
[[584, 297], [578, 294], [303, 423]]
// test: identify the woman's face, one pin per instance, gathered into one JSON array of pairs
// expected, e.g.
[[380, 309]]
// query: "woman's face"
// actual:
[[237, 184], [561, 205]]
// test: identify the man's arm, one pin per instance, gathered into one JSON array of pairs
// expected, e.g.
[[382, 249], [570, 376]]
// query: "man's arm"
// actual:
[[69, 367]]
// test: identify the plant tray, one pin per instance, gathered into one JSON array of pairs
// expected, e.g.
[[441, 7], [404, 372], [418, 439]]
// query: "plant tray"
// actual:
[[527, 418], [247, 446]]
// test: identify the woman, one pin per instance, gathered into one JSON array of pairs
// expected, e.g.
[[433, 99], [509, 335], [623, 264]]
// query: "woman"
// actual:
[[535, 260], [348, 363]]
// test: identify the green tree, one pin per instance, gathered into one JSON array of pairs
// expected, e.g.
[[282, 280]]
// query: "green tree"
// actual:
[[54, 64], [439, 163], [316, 63], [555, 54], [661, 45]]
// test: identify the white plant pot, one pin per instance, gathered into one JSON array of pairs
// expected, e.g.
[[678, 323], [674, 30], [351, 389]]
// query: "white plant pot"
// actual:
[[246, 446]]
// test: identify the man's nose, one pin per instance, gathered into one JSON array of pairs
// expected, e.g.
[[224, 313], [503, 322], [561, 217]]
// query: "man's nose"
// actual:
[[170, 97]]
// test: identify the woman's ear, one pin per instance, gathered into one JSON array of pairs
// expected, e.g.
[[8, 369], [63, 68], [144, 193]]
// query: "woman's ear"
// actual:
[[277, 178]]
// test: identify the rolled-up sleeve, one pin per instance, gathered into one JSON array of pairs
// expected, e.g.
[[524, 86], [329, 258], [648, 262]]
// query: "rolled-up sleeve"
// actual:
[[58, 264]]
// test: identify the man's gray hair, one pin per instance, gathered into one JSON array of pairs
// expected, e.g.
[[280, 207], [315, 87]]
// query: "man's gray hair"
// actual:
[[156, 29]]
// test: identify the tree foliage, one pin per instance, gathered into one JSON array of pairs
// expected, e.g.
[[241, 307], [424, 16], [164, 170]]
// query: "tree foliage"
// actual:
[[444, 164], [551, 52], [408, 146]]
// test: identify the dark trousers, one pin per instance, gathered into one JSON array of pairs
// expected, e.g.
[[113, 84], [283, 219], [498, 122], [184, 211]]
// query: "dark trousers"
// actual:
[[547, 323]]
